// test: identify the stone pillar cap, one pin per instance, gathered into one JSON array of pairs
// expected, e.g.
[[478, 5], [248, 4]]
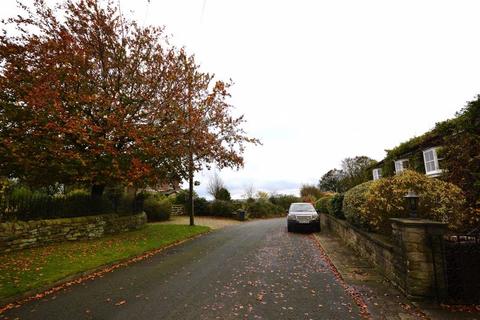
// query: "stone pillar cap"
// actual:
[[418, 222]]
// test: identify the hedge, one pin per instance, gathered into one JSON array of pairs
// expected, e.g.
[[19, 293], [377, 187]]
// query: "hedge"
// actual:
[[371, 204], [22, 203], [263, 209], [322, 203], [335, 206], [157, 208]]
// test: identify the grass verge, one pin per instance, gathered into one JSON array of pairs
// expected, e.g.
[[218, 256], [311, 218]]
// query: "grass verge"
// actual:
[[29, 269]]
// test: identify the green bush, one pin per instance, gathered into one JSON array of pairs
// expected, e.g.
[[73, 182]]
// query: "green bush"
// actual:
[[223, 194], [321, 204], [202, 207], [371, 204], [24, 204], [4, 184], [354, 201], [263, 209], [283, 200], [335, 206], [221, 208], [238, 205], [182, 197], [157, 208]]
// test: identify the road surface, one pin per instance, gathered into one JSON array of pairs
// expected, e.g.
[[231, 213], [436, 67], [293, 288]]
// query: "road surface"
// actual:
[[254, 270]]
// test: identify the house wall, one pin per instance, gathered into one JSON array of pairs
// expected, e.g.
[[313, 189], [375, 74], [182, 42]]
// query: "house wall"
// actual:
[[27, 234]]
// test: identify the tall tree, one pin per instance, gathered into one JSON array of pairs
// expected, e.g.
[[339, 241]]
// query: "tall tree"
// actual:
[[94, 98], [309, 190], [209, 133], [332, 181], [356, 170]]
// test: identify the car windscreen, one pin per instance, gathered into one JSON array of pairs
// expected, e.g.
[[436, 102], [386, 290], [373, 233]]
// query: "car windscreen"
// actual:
[[299, 207]]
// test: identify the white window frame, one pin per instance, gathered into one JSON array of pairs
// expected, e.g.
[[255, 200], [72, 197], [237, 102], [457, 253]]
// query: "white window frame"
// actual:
[[377, 173], [429, 171], [399, 167]]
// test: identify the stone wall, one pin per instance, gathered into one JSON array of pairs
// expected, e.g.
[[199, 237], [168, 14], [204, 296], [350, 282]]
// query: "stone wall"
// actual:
[[412, 258], [26, 234], [377, 250]]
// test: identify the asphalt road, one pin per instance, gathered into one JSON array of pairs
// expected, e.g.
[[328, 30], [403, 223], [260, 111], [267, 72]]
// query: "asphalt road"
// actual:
[[255, 270]]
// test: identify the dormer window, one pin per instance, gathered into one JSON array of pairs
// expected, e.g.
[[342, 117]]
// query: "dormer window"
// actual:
[[401, 165], [377, 173], [430, 159]]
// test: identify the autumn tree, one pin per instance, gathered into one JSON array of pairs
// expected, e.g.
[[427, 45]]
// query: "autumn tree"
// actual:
[[90, 97], [309, 190], [208, 133]]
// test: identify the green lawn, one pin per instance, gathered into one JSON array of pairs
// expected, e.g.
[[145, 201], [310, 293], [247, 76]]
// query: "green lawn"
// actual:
[[28, 269]]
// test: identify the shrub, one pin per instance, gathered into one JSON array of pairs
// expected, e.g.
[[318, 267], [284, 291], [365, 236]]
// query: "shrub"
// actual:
[[335, 205], [157, 208], [283, 200], [221, 208], [223, 194], [321, 204], [371, 204], [263, 208], [22, 203], [237, 205], [182, 197], [354, 202], [202, 207], [4, 184], [308, 191], [309, 198]]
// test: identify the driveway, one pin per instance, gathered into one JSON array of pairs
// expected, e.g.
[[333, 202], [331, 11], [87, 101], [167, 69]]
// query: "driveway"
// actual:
[[253, 270], [212, 222]]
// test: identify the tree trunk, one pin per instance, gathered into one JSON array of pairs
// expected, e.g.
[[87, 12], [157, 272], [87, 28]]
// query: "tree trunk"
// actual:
[[190, 189]]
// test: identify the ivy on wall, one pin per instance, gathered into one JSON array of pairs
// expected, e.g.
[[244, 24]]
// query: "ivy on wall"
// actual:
[[458, 140]]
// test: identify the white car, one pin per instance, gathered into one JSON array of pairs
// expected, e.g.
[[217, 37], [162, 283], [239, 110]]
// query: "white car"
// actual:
[[302, 214]]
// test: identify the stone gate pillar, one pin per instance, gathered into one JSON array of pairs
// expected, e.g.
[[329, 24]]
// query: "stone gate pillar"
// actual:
[[420, 257]]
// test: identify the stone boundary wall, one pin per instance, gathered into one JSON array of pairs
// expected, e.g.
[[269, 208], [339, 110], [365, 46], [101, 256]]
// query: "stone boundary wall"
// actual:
[[27, 234], [376, 250], [412, 258]]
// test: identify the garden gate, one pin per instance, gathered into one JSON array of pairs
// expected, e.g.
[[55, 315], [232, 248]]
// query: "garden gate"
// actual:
[[462, 255]]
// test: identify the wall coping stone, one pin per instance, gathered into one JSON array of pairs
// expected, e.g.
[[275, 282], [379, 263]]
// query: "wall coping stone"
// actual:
[[382, 241], [418, 222]]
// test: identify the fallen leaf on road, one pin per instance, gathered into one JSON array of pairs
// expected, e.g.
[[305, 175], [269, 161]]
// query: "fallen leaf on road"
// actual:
[[120, 303]]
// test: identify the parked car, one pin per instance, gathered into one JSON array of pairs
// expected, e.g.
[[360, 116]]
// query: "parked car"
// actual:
[[302, 214]]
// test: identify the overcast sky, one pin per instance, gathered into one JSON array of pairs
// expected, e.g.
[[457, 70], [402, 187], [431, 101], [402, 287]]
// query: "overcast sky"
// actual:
[[319, 81]]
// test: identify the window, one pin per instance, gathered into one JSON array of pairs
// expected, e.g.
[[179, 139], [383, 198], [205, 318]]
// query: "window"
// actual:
[[430, 159], [377, 173], [302, 207], [401, 165]]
